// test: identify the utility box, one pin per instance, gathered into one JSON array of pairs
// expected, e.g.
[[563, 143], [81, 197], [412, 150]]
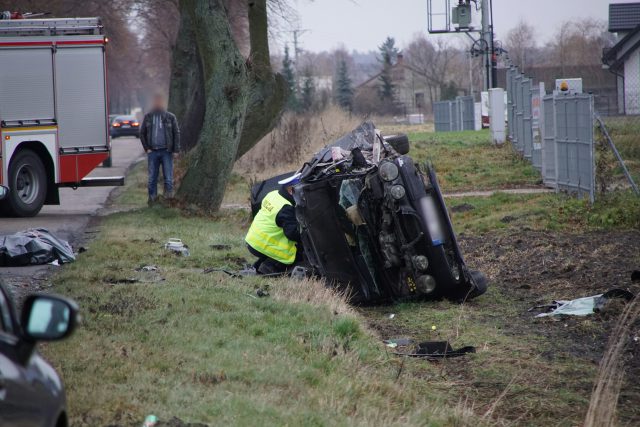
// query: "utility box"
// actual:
[[496, 115], [572, 86], [461, 16]]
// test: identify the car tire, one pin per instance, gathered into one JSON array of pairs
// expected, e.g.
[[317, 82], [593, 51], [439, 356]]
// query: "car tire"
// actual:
[[400, 143], [481, 283], [28, 185]]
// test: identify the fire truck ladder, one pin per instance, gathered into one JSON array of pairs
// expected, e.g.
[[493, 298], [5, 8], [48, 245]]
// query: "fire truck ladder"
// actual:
[[51, 27]]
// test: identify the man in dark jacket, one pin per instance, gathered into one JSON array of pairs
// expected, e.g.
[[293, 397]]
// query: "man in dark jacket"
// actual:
[[274, 235], [160, 137]]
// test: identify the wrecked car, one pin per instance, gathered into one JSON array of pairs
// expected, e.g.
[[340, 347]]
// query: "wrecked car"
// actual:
[[374, 224]]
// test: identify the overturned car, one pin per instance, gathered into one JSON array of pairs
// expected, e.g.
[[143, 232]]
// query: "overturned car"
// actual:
[[375, 224]]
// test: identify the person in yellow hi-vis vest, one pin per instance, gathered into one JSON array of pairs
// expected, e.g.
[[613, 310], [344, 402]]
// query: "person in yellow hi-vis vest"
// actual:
[[274, 235]]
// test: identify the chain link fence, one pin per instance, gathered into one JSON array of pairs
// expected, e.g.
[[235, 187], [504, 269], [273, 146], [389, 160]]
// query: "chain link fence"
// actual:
[[557, 132]]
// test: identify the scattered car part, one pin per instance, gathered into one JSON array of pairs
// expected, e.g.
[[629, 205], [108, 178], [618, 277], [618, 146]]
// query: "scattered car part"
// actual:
[[176, 246], [219, 247], [261, 293], [400, 143], [437, 350], [398, 342]]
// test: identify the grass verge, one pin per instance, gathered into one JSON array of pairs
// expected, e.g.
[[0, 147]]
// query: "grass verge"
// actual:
[[201, 346]]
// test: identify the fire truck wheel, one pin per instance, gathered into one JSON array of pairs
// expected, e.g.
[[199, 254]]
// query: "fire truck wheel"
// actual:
[[28, 184]]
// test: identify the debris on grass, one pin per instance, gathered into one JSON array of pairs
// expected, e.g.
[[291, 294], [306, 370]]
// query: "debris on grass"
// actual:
[[464, 207], [262, 293], [176, 246], [119, 280], [437, 350], [398, 342], [583, 306], [219, 247]]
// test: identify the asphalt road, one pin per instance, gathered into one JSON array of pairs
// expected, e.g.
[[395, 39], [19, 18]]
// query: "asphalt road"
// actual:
[[69, 219]]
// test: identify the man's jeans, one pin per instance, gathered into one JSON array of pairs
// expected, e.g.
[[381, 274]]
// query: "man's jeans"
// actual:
[[157, 158]]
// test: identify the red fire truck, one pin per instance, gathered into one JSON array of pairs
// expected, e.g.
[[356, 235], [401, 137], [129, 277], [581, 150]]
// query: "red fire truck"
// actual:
[[53, 110]]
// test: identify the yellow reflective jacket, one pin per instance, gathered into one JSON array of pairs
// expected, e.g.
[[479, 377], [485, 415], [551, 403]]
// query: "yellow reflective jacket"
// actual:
[[265, 236]]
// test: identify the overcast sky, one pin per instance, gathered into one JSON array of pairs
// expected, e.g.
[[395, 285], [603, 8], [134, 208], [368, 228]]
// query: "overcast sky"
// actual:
[[363, 24]]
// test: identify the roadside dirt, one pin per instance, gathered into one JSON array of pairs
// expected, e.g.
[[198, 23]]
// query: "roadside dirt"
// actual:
[[531, 268]]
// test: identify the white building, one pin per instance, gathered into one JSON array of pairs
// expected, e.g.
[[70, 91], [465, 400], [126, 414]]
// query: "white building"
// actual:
[[623, 59]]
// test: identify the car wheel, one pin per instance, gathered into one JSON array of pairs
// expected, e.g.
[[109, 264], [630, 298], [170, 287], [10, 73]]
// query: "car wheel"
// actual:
[[400, 143], [481, 283], [27, 183]]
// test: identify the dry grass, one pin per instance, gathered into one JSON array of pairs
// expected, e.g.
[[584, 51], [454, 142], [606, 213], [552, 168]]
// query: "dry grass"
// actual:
[[604, 399], [314, 292], [294, 141]]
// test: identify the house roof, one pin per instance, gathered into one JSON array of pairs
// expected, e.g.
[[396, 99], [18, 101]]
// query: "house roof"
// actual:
[[623, 16], [400, 64], [615, 56]]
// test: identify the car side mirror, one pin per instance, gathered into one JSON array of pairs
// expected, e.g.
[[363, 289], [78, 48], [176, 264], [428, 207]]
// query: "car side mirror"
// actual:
[[48, 317], [4, 191]]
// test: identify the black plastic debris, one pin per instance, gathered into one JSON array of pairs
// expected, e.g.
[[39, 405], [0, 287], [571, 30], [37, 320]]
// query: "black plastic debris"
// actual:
[[120, 280], [438, 350], [217, 247], [34, 247], [604, 300], [464, 207], [261, 293]]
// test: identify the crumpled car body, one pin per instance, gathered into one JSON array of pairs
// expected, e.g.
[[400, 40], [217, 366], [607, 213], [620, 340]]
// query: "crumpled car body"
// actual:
[[375, 225]]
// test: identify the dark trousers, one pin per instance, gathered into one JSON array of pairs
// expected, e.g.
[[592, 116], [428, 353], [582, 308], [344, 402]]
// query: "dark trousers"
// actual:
[[155, 159], [266, 265]]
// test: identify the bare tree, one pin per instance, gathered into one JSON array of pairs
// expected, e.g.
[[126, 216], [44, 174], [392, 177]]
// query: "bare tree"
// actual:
[[226, 101], [435, 62], [578, 42], [520, 43]]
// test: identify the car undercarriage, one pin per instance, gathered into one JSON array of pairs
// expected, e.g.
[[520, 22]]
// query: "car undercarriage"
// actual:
[[374, 224]]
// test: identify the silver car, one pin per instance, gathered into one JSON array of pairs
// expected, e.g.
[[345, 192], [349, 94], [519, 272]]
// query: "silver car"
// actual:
[[31, 392]]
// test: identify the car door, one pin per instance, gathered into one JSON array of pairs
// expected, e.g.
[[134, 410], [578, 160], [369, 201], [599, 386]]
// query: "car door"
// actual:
[[19, 406]]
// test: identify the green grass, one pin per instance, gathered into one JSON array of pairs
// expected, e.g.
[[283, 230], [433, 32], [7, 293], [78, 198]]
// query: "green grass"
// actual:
[[468, 161], [202, 348], [549, 211], [625, 133]]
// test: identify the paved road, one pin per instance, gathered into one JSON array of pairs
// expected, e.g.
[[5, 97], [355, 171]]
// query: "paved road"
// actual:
[[69, 219]]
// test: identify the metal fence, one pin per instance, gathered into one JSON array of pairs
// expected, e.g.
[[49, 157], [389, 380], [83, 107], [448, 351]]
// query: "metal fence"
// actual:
[[554, 132], [456, 115]]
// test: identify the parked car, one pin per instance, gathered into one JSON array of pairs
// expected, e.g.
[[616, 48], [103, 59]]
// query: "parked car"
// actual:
[[31, 392], [374, 223], [124, 126]]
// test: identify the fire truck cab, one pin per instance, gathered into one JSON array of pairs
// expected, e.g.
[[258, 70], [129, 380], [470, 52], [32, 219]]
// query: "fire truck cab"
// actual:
[[53, 110]]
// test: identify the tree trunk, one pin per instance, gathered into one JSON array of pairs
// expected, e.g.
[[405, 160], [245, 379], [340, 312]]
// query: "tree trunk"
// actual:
[[224, 104], [187, 85], [225, 85], [269, 91]]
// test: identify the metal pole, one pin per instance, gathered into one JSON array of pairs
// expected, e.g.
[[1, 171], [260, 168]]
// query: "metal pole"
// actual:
[[488, 44], [471, 75], [494, 59]]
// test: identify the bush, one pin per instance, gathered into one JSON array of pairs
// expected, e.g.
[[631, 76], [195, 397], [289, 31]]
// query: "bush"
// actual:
[[295, 140]]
